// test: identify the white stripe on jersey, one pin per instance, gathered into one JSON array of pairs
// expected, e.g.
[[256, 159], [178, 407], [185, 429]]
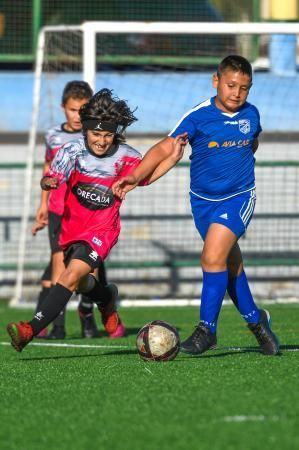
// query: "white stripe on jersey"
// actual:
[[201, 105]]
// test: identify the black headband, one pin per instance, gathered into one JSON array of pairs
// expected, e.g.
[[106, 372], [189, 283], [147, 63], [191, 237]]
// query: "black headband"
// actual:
[[96, 124]]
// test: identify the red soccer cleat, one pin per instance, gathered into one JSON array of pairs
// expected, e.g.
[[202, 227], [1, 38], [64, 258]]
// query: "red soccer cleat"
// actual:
[[110, 317], [113, 325], [21, 334]]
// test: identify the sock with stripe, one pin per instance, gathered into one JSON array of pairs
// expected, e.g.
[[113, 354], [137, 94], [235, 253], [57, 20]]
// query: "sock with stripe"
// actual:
[[239, 291]]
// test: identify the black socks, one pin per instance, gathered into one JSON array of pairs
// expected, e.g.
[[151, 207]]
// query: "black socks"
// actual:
[[54, 303]]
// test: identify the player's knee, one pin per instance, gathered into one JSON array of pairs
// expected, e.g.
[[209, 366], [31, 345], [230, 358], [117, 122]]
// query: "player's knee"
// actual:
[[69, 279], [213, 261], [86, 284]]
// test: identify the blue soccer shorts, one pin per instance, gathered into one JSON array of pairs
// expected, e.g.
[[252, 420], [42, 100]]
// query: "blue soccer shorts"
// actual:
[[235, 212]]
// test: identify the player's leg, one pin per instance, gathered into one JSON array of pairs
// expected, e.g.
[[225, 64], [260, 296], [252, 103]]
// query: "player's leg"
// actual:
[[108, 309], [23, 332], [85, 306], [105, 295], [238, 287], [218, 243], [79, 261], [259, 322], [58, 330], [54, 228], [46, 285]]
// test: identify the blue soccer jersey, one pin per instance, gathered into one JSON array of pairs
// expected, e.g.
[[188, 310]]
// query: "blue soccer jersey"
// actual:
[[222, 161]]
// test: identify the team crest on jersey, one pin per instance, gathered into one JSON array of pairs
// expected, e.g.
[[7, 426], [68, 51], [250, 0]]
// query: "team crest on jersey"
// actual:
[[93, 196], [244, 126]]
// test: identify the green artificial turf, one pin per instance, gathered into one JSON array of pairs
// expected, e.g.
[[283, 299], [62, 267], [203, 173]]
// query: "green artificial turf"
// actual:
[[85, 398]]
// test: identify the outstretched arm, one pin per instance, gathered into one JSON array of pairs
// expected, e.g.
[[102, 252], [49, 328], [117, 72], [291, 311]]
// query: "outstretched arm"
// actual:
[[178, 147], [156, 162]]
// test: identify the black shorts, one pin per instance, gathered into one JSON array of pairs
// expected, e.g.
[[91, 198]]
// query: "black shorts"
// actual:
[[47, 275], [84, 252], [54, 229]]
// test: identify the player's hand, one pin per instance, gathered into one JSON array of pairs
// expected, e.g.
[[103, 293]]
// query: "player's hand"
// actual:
[[48, 183], [36, 227], [124, 185], [179, 145], [42, 215]]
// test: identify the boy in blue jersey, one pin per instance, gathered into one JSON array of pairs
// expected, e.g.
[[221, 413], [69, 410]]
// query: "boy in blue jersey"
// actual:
[[223, 134]]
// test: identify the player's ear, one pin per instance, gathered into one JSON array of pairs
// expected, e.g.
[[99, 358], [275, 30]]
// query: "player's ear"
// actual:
[[215, 80]]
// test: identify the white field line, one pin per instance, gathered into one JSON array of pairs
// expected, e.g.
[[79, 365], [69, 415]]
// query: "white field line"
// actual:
[[57, 344], [72, 305], [243, 418]]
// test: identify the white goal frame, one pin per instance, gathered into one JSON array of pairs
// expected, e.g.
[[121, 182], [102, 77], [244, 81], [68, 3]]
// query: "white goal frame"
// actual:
[[89, 31]]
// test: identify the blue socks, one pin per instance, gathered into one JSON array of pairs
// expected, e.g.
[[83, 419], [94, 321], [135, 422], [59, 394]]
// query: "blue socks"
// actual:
[[213, 290], [239, 291]]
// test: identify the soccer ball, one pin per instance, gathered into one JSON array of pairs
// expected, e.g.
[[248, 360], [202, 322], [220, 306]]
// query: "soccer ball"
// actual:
[[158, 341]]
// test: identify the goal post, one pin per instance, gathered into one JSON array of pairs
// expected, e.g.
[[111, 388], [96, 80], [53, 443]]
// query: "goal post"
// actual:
[[150, 63]]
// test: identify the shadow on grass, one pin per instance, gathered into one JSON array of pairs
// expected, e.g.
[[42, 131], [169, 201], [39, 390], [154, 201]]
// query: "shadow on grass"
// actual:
[[229, 351], [89, 355], [103, 334]]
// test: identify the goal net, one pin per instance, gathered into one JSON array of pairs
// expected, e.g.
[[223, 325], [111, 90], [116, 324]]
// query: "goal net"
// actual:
[[164, 69]]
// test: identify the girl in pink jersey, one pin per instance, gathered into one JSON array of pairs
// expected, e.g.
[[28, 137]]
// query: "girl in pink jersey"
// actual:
[[91, 223], [50, 211]]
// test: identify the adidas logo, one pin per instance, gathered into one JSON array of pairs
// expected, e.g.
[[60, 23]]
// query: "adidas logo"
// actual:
[[224, 216]]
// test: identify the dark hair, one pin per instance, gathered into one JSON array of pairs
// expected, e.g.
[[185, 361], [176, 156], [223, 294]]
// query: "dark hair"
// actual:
[[236, 63], [76, 89], [110, 109]]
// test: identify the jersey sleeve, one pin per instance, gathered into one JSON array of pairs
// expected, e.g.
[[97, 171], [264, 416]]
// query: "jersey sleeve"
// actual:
[[259, 127], [52, 146], [62, 165], [48, 153], [185, 125]]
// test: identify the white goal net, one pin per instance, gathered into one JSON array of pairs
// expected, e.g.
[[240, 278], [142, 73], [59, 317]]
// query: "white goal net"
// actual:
[[164, 69]]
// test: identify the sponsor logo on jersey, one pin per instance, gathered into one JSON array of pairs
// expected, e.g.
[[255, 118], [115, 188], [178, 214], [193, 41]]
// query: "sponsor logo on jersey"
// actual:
[[93, 196], [93, 255], [97, 241], [244, 126], [239, 143], [213, 144], [231, 122]]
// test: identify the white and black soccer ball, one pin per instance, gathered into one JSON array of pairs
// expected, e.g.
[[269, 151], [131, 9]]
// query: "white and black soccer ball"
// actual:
[[158, 341]]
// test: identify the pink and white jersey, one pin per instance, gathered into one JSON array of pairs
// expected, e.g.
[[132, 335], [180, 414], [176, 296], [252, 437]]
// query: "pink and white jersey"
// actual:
[[91, 212], [55, 138]]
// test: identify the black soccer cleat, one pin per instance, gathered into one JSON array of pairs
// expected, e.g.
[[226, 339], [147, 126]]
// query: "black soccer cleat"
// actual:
[[201, 340], [88, 326], [56, 333], [264, 335]]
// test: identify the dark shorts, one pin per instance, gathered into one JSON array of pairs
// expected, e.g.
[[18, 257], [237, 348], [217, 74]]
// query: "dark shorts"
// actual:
[[82, 251], [47, 274], [54, 229]]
